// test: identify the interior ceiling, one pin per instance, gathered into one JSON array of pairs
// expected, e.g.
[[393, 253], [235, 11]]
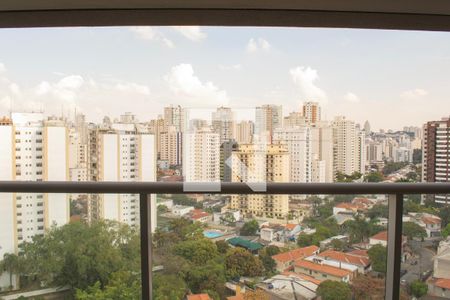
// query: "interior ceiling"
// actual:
[[440, 7], [388, 14]]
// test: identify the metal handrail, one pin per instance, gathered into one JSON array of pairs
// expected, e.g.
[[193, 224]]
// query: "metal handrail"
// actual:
[[396, 191], [110, 187]]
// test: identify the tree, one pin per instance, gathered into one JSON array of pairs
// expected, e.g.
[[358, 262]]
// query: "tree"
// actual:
[[378, 256], [198, 251], [338, 245], [250, 228], [207, 277], [11, 265], [358, 229], [341, 177], [123, 286], [368, 288], [334, 290], [265, 255], [374, 177], [392, 167], [304, 240], [162, 209], [222, 247], [418, 288], [446, 231], [444, 214], [378, 211], [168, 287], [412, 230], [240, 262], [186, 229], [59, 258]]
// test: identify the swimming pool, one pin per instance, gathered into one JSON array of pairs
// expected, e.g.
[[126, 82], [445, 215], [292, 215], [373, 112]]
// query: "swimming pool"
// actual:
[[212, 234]]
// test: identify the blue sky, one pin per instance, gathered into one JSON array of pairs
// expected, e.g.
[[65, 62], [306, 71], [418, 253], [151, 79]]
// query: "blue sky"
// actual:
[[391, 78]]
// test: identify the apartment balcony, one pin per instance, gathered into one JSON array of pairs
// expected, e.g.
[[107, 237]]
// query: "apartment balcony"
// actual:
[[395, 192]]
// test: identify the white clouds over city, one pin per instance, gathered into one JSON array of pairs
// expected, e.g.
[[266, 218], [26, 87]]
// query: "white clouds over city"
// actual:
[[305, 78], [414, 94], [351, 97], [189, 89], [258, 45]]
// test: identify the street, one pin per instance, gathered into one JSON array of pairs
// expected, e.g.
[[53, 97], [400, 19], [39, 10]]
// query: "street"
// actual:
[[424, 258]]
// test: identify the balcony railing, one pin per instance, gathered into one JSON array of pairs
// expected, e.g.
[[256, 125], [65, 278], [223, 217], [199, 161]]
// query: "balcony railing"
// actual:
[[395, 203]]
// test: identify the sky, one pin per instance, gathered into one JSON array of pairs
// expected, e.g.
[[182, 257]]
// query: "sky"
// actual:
[[391, 78]]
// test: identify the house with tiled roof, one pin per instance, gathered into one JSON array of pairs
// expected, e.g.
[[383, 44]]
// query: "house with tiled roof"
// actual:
[[359, 252], [285, 261], [362, 263], [381, 238], [198, 215], [322, 271], [439, 287], [429, 222], [198, 297]]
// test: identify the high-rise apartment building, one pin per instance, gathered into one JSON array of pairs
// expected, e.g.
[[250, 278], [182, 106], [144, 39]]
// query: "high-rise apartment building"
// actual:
[[201, 156], [175, 116], [78, 156], [267, 119], [349, 146], [157, 127], [171, 146], [32, 149], [436, 155], [298, 143], [374, 151], [244, 132], [259, 163], [322, 152], [294, 119], [312, 112], [367, 129], [222, 121], [124, 152]]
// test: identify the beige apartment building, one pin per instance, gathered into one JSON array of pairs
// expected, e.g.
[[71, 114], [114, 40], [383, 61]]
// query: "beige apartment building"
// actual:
[[257, 163]]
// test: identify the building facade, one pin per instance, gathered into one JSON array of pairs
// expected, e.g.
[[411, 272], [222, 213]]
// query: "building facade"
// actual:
[[257, 164], [32, 149]]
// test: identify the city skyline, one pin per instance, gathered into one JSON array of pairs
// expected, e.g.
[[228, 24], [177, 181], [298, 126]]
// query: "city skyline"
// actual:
[[366, 76]]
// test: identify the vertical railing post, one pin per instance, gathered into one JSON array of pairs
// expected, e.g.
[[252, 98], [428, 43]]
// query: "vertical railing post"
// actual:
[[394, 247], [146, 246]]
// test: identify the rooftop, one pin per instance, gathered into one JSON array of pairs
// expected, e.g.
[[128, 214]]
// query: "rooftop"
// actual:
[[295, 254], [198, 297], [239, 242], [345, 257], [333, 271], [442, 283]]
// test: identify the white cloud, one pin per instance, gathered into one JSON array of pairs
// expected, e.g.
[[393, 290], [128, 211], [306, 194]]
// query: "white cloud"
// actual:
[[2, 68], [151, 34], [305, 79], [131, 87], [193, 33], [230, 67], [65, 89], [350, 97], [259, 44], [189, 89], [415, 93]]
